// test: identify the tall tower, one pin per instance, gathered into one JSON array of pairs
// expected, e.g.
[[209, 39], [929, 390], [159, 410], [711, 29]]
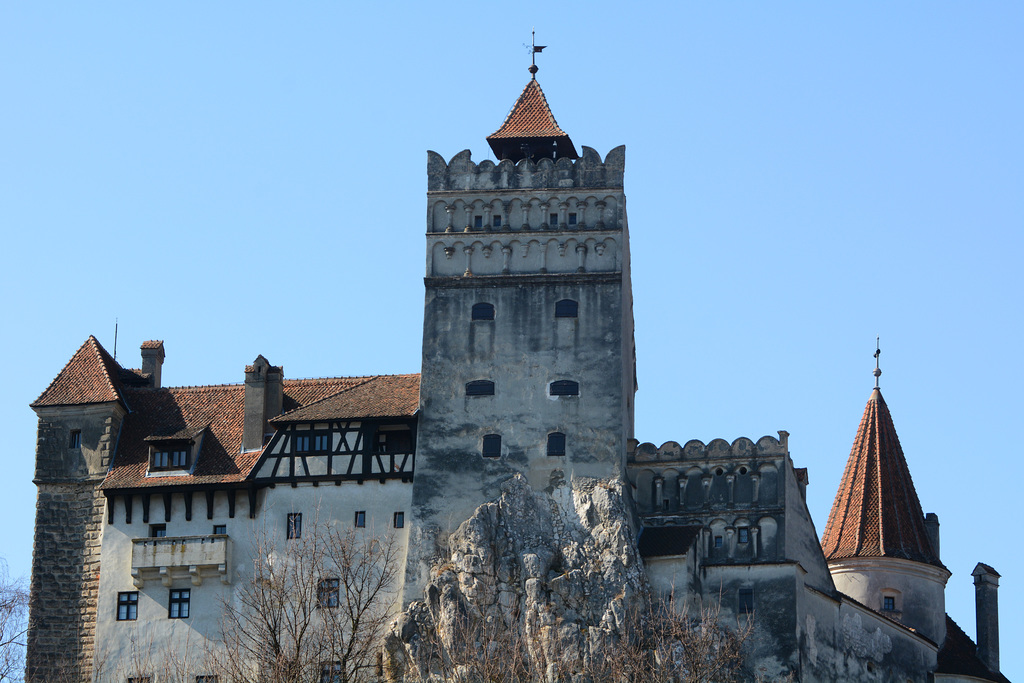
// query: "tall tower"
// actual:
[[880, 548], [80, 416], [528, 357]]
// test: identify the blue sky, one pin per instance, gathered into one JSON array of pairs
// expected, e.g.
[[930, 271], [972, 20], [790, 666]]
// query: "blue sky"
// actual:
[[245, 178]]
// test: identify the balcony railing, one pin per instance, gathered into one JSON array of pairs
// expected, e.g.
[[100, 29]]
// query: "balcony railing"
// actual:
[[172, 557]]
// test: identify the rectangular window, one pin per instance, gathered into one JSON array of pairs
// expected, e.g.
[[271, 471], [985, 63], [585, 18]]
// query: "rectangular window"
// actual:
[[76, 439], [128, 606], [322, 443], [331, 673], [718, 541], [160, 460], [360, 518], [302, 444], [329, 593], [497, 221], [399, 521], [746, 600], [179, 459], [177, 604], [221, 529], [572, 219], [492, 446], [743, 534], [478, 221], [889, 603], [554, 219], [294, 525], [556, 443], [157, 530]]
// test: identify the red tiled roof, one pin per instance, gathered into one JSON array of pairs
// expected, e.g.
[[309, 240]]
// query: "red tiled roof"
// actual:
[[531, 119], [959, 656], [184, 411], [91, 376], [876, 512], [382, 396]]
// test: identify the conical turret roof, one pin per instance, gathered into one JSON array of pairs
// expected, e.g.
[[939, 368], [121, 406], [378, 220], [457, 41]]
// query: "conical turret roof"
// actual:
[[530, 130], [876, 512]]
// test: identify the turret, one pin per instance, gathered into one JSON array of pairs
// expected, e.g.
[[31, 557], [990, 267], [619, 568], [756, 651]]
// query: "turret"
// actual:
[[877, 541]]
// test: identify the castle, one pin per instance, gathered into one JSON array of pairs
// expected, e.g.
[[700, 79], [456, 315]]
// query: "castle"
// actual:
[[147, 495]]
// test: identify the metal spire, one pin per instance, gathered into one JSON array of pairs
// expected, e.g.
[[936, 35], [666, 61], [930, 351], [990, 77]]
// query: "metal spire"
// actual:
[[878, 352], [534, 49]]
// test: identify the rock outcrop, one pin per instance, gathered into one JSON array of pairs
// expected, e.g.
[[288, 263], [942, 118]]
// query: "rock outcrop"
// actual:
[[534, 579]]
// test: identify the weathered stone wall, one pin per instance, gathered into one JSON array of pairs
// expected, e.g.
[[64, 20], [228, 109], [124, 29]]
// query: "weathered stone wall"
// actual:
[[65, 582], [68, 536]]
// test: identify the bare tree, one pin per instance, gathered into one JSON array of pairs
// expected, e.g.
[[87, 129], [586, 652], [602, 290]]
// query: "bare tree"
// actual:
[[315, 607], [13, 625]]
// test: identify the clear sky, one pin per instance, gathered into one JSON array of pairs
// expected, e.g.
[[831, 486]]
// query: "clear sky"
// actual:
[[242, 178]]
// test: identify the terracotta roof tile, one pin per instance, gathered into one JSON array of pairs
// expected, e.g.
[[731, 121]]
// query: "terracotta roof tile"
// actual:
[[531, 119], [382, 396], [186, 411], [876, 512], [91, 376], [959, 656], [152, 344]]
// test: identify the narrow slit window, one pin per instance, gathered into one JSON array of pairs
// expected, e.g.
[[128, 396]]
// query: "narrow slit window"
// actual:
[[294, 525], [492, 446], [480, 387], [567, 308], [399, 520], [564, 387], [746, 596], [483, 311], [360, 520], [556, 443]]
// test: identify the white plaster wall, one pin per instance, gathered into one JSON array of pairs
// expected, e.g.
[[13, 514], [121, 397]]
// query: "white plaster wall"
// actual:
[[132, 647]]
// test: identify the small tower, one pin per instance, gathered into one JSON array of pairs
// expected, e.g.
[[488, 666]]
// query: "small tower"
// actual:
[[877, 540], [528, 362], [80, 416]]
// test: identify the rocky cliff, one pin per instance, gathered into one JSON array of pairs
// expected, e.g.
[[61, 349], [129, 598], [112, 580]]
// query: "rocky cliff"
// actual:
[[539, 581]]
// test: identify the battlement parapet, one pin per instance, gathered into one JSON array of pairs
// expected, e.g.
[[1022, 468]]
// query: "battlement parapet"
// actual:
[[462, 174], [716, 449]]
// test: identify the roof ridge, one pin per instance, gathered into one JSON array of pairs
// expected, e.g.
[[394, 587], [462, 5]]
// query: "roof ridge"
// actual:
[[324, 398]]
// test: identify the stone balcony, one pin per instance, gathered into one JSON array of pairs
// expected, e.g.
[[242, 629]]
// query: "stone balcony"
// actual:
[[178, 557]]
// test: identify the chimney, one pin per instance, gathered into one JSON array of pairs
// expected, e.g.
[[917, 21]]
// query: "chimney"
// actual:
[[931, 526], [264, 398], [986, 604], [153, 360]]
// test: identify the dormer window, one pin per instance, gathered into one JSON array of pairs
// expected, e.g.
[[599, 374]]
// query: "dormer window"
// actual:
[[169, 458]]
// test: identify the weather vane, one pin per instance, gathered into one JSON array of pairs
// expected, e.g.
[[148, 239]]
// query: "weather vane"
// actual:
[[878, 352], [534, 49]]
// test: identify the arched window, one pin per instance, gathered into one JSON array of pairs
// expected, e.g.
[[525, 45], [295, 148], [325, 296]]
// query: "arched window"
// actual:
[[483, 311], [567, 308], [480, 387], [492, 446], [564, 387], [556, 443]]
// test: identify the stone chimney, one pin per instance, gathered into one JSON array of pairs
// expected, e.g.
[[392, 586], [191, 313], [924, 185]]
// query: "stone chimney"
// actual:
[[264, 398], [153, 360], [986, 604], [931, 525]]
